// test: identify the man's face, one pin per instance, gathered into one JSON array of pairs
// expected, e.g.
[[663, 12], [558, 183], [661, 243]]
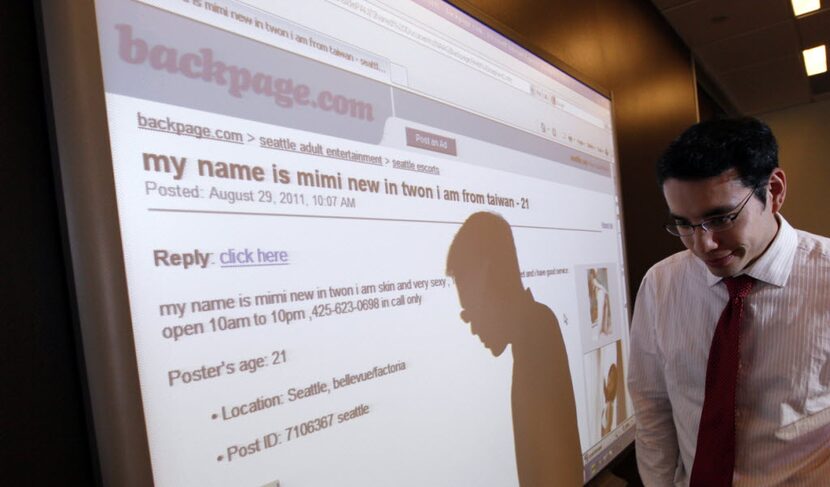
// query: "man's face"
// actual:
[[482, 312], [727, 252]]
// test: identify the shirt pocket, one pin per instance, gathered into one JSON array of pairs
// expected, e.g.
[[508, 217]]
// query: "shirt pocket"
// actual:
[[804, 426]]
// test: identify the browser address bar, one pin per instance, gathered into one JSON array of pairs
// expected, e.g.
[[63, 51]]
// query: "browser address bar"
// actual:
[[401, 26]]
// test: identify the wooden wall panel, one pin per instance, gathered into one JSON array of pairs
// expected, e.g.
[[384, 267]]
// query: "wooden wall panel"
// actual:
[[626, 47]]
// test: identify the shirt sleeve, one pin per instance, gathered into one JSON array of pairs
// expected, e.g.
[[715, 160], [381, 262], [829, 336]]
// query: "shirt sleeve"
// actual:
[[656, 437]]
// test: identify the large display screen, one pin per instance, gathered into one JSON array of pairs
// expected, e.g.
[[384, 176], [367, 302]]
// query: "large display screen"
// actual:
[[366, 243]]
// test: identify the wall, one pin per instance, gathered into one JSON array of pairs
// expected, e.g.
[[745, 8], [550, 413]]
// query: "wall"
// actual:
[[805, 157], [623, 45]]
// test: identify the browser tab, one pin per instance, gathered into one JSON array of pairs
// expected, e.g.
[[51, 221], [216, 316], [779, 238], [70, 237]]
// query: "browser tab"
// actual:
[[430, 141]]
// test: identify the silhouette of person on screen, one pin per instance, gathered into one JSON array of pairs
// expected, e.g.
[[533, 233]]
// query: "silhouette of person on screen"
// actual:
[[482, 260]]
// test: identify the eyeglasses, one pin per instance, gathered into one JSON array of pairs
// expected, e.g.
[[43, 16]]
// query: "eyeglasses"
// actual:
[[714, 224]]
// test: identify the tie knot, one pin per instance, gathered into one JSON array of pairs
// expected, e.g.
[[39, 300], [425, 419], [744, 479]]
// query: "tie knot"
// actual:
[[740, 286]]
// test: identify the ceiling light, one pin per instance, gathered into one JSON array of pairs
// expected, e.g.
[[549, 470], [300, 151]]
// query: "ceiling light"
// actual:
[[801, 7], [815, 60]]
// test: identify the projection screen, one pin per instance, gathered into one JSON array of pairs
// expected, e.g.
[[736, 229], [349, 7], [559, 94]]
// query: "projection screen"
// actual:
[[343, 242]]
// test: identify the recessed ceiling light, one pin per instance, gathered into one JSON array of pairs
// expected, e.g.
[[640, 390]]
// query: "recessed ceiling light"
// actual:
[[801, 7], [815, 60]]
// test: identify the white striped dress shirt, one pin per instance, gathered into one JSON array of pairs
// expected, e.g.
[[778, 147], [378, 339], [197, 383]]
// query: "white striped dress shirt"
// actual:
[[783, 395]]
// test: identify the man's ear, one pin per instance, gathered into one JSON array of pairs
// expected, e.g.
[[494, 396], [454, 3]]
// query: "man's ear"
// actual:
[[777, 189]]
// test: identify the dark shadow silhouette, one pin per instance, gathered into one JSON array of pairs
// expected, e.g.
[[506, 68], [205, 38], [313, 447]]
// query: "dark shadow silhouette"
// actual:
[[482, 260]]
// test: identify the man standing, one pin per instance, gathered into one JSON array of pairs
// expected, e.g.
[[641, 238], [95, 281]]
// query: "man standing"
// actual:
[[730, 351]]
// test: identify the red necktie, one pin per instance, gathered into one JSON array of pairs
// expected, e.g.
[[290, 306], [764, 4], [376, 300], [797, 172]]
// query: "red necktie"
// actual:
[[715, 454]]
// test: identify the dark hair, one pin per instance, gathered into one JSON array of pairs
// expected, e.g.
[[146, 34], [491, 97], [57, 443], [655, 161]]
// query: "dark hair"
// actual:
[[709, 148], [485, 238]]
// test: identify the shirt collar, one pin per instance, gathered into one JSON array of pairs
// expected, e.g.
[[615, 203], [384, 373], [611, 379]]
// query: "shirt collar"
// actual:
[[775, 264]]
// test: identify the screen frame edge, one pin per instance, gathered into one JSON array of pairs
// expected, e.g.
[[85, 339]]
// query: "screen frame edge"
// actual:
[[81, 157]]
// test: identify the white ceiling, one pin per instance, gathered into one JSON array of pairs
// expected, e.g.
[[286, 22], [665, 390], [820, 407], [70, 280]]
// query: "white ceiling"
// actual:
[[750, 50]]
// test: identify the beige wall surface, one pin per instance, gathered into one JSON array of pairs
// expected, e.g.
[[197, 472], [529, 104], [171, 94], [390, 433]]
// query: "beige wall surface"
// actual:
[[803, 135]]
